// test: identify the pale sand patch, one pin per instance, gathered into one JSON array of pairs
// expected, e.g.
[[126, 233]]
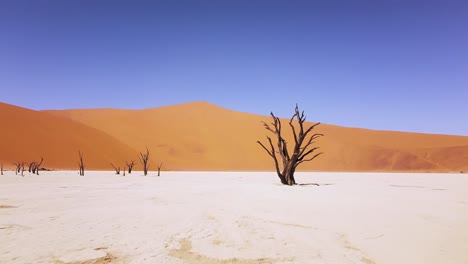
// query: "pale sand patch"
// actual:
[[86, 256], [200, 217], [5, 206], [185, 253]]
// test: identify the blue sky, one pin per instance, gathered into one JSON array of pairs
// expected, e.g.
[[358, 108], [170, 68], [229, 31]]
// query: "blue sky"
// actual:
[[393, 65]]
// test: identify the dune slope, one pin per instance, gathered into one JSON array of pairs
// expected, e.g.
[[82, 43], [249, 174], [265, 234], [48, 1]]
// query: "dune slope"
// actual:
[[28, 135], [202, 136]]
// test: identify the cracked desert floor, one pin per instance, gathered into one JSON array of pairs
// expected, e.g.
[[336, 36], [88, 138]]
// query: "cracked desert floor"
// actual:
[[233, 217]]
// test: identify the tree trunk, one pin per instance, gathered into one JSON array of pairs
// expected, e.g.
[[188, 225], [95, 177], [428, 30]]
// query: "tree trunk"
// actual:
[[282, 178], [289, 172]]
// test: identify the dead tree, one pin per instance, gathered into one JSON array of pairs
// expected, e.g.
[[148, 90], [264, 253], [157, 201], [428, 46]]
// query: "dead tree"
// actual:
[[144, 157], [124, 168], [117, 169], [19, 168], [30, 166], [302, 151], [37, 166], [34, 167], [159, 168], [1, 168], [130, 166], [81, 164]]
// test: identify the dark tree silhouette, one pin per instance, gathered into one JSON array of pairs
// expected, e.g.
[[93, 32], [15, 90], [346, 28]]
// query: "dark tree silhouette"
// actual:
[[34, 167], [30, 166], [1, 168], [37, 166], [144, 157], [117, 169], [130, 166], [19, 168], [286, 166], [81, 163], [159, 169]]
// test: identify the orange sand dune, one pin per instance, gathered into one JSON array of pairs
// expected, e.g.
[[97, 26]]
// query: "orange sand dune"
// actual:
[[28, 135], [202, 136]]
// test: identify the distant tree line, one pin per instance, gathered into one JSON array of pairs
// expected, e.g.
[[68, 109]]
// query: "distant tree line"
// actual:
[[144, 158]]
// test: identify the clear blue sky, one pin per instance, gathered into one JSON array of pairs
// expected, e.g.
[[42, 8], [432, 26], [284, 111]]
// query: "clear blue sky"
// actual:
[[395, 65]]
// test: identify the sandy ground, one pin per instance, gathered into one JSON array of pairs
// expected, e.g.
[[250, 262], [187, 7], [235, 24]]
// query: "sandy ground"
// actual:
[[188, 217]]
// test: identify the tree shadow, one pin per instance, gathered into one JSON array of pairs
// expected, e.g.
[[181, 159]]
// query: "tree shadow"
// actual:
[[315, 184]]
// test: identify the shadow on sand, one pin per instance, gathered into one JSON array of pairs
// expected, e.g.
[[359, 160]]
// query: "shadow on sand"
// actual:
[[315, 184]]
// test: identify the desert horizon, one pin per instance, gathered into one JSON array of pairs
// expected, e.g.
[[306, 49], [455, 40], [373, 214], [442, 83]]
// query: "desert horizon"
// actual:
[[202, 136]]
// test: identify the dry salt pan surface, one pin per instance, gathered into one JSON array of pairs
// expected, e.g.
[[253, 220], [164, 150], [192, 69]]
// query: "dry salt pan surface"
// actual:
[[207, 217]]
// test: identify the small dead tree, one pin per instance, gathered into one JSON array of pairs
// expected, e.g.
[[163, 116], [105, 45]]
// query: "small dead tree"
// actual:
[[81, 163], [19, 167], [159, 168], [30, 166], [144, 157], [117, 169], [1, 168], [130, 166], [37, 166], [34, 167], [124, 169], [287, 163]]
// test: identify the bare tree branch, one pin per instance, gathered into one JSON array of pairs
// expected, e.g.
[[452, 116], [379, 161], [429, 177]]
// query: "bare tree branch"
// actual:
[[117, 169]]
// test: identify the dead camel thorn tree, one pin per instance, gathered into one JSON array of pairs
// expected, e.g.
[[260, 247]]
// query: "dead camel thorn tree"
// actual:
[[19, 168], [159, 168], [30, 165], [117, 169], [37, 166], [144, 157], [301, 152], [80, 163], [130, 166], [34, 167], [1, 168]]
